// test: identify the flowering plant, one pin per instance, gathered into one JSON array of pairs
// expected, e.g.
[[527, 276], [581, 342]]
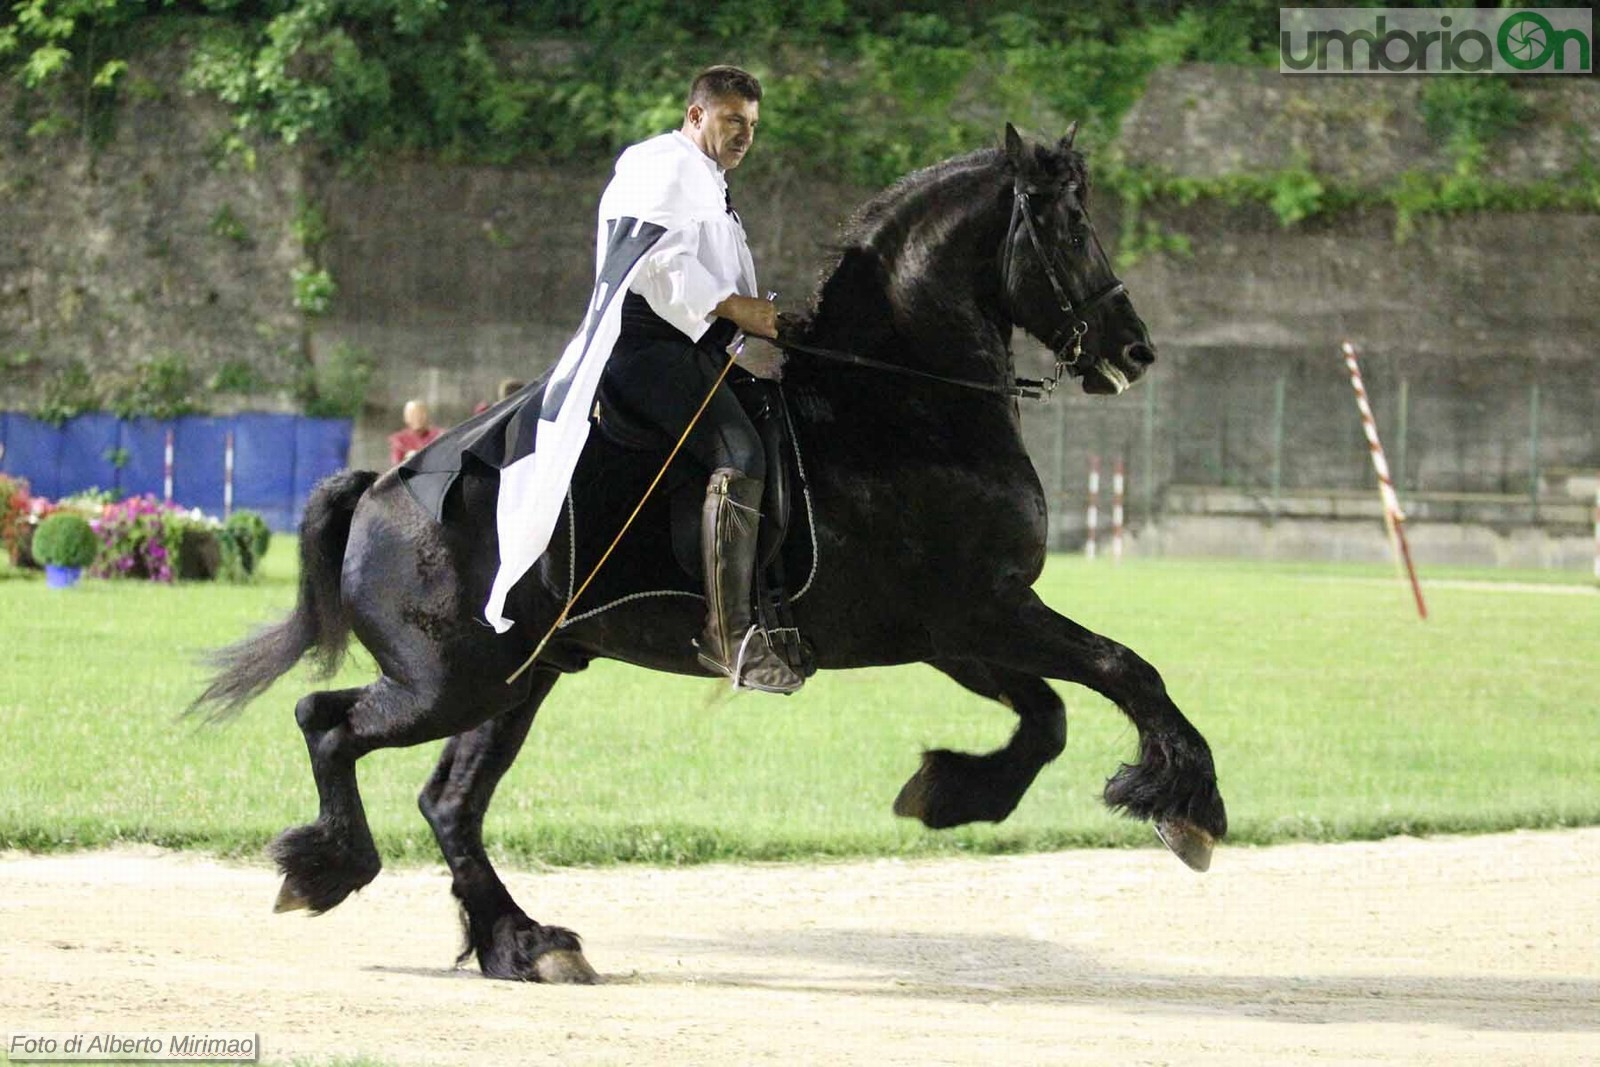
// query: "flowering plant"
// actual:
[[14, 506], [139, 538]]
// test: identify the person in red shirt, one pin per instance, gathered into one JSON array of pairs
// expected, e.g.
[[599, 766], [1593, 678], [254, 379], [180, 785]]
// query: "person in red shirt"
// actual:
[[403, 444]]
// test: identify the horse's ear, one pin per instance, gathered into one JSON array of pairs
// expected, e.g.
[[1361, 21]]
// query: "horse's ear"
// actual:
[[1072, 133], [1014, 146]]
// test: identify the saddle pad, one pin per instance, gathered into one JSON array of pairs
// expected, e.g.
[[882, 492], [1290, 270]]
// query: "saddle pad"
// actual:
[[609, 481]]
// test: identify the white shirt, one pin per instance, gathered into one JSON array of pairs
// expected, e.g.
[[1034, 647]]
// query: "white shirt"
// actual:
[[704, 256]]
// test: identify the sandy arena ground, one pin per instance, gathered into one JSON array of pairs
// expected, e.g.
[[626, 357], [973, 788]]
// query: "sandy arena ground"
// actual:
[[1446, 951]]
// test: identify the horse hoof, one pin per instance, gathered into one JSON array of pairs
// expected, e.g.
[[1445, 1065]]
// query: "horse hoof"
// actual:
[[912, 802], [289, 899], [564, 967], [1187, 841]]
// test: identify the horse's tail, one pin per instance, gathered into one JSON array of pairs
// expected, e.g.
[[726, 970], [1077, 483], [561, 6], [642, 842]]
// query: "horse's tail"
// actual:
[[318, 623]]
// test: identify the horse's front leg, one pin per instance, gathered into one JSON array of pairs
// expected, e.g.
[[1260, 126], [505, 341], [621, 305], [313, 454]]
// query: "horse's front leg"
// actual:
[[954, 788], [1174, 781]]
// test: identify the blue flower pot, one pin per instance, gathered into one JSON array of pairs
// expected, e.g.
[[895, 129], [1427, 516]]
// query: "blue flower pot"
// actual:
[[61, 577]]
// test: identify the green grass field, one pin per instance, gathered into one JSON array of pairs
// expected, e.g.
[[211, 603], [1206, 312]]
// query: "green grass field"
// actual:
[[1332, 711]]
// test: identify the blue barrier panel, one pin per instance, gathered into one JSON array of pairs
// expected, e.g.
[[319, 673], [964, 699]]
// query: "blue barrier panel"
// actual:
[[88, 453], [145, 443], [322, 447], [33, 451], [197, 467], [263, 466], [278, 459]]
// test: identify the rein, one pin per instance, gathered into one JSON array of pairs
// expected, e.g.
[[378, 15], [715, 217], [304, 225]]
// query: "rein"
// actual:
[[1028, 388], [1023, 388]]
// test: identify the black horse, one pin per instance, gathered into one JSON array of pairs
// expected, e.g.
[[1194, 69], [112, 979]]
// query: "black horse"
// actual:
[[929, 524]]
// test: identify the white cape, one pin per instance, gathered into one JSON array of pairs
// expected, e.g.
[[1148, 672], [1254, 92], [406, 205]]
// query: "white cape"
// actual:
[[533, 488]]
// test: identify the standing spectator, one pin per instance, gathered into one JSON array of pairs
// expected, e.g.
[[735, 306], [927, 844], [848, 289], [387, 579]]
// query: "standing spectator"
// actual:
[[403, 444], [507, 387]]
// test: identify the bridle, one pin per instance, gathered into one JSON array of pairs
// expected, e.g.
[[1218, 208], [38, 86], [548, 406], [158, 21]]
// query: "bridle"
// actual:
[[1072, 331], [1070, 334]]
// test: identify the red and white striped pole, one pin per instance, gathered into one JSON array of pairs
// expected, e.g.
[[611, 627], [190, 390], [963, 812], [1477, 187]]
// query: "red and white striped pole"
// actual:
[[1092, 519], [1393, 517], [227, 474], [1117, 483], [166, 469]]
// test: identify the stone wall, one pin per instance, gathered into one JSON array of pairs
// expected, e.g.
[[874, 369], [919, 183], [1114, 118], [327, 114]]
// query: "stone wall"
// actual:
[[139, 243], [454, 277]]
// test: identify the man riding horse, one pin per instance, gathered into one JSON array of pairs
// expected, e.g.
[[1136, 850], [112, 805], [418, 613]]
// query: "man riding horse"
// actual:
[[689, 300]]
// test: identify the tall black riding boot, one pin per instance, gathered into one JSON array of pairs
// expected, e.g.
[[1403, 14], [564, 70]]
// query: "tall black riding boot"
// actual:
[[731, 646]]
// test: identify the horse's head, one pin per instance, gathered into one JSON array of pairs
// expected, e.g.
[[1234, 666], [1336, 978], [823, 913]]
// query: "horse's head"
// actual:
[[1058, 283]]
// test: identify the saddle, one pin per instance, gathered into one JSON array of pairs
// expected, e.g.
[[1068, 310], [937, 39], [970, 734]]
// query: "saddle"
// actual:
[[763, 401], [660, 554]]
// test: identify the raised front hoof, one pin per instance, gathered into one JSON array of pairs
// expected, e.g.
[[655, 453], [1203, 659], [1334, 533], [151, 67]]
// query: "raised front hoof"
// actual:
[[318, 871], [953, 789], [523, 951], [1188, 842]]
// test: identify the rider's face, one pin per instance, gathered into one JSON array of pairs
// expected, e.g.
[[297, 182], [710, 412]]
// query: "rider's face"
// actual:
[[724, 129]]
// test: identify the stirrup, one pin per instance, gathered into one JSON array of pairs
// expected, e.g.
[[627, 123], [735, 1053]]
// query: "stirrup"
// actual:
[[736, 673]]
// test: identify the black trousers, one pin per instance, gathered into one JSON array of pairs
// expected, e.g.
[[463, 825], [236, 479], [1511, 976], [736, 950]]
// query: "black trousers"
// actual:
[[661, 378]]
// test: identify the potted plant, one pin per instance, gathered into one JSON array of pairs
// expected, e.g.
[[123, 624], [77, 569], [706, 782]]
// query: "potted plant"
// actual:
[[65, 543]]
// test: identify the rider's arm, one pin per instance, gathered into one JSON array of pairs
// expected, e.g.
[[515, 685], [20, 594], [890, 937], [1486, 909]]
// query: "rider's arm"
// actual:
[[677, 285]]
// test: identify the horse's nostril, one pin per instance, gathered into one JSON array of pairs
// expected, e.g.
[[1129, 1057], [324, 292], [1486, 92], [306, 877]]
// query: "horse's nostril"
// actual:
[[1140, 353]]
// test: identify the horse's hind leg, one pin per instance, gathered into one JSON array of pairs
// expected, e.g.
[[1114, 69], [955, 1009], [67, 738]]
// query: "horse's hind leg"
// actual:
[[507, 943], [953, 788], [326, 861]]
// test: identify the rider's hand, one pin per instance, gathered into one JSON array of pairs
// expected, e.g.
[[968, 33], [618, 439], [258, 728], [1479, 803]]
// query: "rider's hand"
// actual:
[[758, 318]]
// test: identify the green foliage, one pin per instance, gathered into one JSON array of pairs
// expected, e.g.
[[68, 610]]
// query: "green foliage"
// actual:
[[248, 532], [1466, 114], [65, 539], [69, 392], [310, 225], [161, 387], [1296, 195], [314, 289], [226, 225], [336, 386], [236, 376], [164, 386]]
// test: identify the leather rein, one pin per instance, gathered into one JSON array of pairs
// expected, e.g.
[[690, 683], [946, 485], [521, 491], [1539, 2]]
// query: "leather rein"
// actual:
[[1025, 388]]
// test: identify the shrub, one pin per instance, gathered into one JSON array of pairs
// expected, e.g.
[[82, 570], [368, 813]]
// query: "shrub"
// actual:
[[201, 557], [65, 539], [249, 532]]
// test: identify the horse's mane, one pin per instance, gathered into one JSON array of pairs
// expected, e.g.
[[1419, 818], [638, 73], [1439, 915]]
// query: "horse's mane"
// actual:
[[875, 236], [905, 200]]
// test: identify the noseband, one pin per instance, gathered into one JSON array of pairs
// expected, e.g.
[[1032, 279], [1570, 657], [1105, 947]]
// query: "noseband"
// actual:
[[1076, 325]]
